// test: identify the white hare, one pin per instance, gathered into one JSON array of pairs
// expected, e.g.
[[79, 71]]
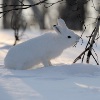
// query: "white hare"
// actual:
[[41, 49]]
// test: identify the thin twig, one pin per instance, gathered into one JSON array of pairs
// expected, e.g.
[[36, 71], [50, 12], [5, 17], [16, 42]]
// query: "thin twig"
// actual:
[[93, 40]]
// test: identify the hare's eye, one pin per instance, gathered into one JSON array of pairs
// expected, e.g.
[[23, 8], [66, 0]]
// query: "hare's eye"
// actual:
[[69, 36]]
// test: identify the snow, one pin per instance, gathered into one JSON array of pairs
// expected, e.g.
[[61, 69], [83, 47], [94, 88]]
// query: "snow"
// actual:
[[70, 82], [63, 81]]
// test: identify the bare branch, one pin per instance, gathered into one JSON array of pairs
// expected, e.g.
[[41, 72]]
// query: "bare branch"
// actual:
[[93, 39], [19, 7], [51, 4], [89, 46]]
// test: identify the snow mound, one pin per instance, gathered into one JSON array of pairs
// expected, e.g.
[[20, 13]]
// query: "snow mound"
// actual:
[[55, 71]]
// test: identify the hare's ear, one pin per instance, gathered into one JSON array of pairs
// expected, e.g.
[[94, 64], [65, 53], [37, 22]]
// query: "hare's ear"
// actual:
[[57, 28], [61, 23]]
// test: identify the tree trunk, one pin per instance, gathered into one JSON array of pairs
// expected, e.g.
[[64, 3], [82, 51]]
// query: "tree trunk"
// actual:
[[74, 14], [38, 15], [8, 16]]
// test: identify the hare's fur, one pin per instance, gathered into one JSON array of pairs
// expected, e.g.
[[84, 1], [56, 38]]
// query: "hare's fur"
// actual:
[[41, 49]]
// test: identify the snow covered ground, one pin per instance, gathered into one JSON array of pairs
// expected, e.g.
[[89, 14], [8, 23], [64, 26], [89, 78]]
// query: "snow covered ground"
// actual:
[[63, 81]]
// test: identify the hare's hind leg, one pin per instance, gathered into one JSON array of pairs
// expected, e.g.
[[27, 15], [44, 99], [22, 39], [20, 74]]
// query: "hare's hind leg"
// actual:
[[47, 63]]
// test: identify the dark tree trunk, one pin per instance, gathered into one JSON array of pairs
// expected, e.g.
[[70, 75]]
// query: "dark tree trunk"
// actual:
[[74, 14], [7, 16]]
